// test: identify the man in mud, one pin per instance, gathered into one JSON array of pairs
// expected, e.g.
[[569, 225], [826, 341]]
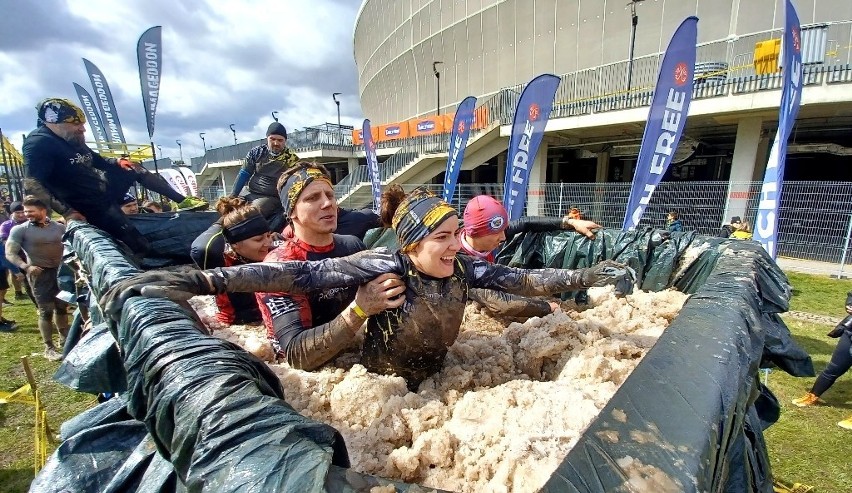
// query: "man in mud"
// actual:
[[308, 330], [78, 182]]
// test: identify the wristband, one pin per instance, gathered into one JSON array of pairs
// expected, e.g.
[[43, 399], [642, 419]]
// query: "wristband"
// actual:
[[358, 310]]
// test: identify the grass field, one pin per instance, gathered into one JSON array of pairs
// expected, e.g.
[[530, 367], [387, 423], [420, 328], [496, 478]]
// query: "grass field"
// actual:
[[805, 446]]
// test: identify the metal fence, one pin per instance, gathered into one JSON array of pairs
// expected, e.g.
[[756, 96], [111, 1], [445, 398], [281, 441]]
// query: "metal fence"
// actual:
[[814, 217]]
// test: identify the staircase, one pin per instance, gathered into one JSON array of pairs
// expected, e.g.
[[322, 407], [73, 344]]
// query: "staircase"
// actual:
[[354, 191]]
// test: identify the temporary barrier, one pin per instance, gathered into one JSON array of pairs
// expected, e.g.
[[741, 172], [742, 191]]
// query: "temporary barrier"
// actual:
[[358, 140], [392, 131], [427, 126], [687, 419]]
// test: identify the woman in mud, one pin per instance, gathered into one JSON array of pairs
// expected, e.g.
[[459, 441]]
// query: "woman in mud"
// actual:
[[243, 236], [412, 340]]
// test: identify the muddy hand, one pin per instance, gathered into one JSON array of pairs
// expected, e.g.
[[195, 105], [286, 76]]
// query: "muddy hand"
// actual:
[[380, 294], [608, 273], [156, 284]]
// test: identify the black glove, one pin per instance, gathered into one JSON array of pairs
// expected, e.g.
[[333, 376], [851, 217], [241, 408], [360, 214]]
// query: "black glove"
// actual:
[[176, 286], [843, 326], [610, 272]]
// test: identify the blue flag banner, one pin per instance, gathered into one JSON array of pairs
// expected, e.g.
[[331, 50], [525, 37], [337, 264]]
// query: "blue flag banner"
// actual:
[[372, 166], [103, 96], [666, 119], [531, 116], [766, 225], [93, 116], [149, 54], [458, 141]]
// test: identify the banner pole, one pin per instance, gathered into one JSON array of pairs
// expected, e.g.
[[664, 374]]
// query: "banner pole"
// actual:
[[154, 154]]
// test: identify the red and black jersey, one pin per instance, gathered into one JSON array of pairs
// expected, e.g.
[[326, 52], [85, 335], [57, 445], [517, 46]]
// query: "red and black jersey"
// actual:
[[289, 317], [236, 308]]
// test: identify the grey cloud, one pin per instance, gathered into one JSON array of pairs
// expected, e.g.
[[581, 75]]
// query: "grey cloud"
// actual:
[[38, 25]]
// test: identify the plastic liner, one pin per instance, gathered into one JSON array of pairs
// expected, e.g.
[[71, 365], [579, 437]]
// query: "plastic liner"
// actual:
[[171, 235], [199, 413], [690, 417]]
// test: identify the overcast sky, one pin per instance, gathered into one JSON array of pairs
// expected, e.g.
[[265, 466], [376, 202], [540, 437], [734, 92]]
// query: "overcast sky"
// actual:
[[223, 62]]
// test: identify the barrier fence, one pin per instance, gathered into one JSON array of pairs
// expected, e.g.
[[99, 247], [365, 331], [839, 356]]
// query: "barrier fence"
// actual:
[[815, 218]]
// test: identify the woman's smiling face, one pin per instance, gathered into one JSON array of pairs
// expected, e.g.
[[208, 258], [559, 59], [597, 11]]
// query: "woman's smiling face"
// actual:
[[435, 254]]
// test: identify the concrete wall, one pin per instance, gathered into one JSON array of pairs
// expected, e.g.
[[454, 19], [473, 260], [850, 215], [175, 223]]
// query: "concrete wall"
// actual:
[[490, 44]]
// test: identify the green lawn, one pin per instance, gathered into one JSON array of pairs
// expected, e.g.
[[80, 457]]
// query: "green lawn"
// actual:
[[818, 294], [805, 446], [16, 420]]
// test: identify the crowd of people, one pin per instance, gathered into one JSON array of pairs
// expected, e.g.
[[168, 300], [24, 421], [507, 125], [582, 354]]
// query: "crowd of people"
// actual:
[[287, 256]]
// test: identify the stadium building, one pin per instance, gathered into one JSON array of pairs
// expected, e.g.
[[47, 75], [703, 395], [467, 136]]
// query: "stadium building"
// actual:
[[417, 59]]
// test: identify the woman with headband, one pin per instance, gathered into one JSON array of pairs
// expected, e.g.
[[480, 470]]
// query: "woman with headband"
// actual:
[[247, 239], [411, 340]]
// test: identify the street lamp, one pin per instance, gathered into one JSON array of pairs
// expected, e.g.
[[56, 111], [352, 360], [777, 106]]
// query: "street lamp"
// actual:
[[203, 142], [233, 132], [334, 97], [180, 150], [438, 85], [634, 21], [273, 115]]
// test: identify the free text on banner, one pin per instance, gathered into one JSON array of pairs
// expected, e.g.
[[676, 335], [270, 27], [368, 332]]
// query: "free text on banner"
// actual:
[[458, 141], [149, 54], [109, 114], [531, 116], [372, 165], [766, 225], [666, 119]]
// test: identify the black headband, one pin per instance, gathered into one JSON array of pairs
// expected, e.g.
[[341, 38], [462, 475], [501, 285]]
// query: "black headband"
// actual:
[[250, 227]]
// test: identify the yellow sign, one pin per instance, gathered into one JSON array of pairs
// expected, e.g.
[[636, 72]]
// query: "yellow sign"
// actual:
[[766, 56]]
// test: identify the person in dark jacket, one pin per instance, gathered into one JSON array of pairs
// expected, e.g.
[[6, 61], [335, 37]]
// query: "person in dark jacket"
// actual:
[[673, 222], [263, 167], [412, 339], [728, 229], [83, 184], [841, 361]]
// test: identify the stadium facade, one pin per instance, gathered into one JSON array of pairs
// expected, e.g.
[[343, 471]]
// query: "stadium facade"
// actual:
[[491, 48]]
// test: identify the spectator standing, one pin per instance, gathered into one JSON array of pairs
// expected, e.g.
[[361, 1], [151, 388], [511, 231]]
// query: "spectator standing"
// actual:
[[841, 361], [728, 229], [151, 206], [19, 282], [743, 231], [673, 222], [41, 240]]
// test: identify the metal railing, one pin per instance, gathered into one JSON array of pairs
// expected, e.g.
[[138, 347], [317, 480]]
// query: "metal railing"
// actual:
[[722, 68]]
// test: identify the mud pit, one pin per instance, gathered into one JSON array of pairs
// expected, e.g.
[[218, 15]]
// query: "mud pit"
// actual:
[[510, 402]]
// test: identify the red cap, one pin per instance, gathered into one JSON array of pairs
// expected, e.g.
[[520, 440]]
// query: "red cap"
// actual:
[[484, 215]]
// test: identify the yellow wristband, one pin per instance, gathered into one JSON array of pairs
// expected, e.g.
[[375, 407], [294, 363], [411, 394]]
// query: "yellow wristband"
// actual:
[[358, 310]]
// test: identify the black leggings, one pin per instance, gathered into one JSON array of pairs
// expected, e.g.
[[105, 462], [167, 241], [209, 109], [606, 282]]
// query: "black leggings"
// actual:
[[841, 361]]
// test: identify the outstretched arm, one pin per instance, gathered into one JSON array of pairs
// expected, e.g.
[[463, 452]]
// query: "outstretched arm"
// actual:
[[535, 282], [295, 277], [510, 305]]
